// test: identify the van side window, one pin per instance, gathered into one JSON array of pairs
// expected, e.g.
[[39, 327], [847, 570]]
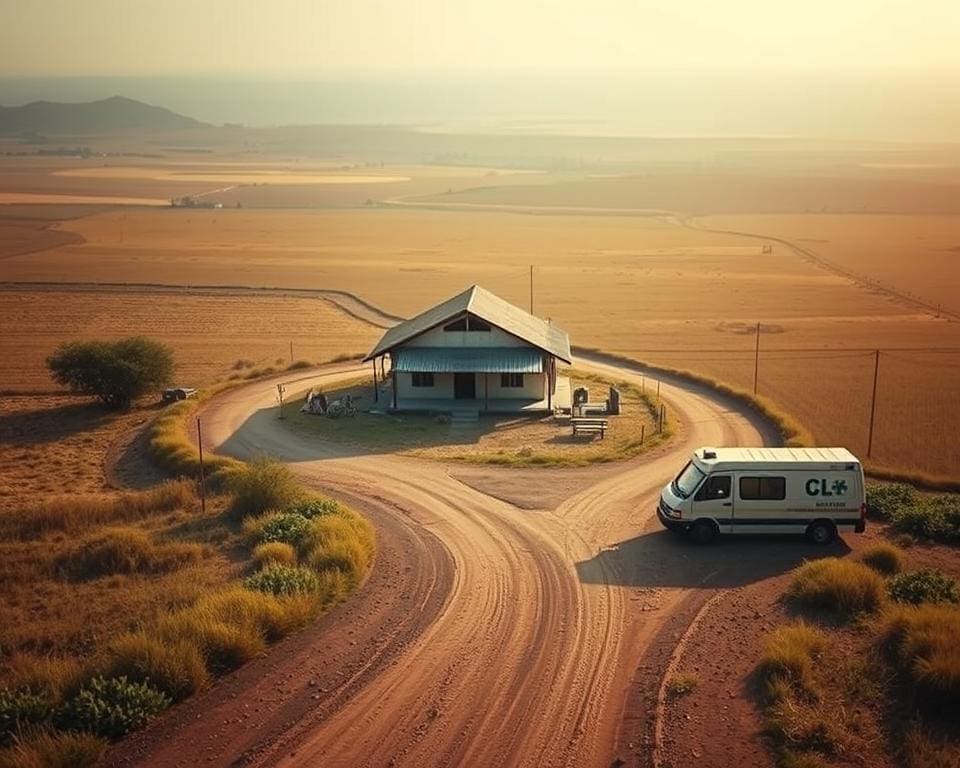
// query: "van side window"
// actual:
[[715, 487], [763, 488]]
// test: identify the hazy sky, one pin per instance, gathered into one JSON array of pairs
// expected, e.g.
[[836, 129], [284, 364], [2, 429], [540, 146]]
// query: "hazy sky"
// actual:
[[285, 37]]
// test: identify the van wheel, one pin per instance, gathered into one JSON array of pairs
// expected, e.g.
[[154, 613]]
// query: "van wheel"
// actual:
[[703, 532], [821, 532]]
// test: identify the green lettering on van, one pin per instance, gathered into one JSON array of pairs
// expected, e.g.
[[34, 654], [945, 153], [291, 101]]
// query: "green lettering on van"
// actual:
[[819, 487]]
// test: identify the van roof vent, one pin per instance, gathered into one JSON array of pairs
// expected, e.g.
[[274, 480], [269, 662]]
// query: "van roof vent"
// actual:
[[709, 453]]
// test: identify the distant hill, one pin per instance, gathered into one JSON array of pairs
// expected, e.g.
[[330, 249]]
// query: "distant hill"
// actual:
[[114, 115]]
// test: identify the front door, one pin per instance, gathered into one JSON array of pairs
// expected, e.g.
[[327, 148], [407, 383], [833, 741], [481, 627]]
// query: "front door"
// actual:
[[465, 386], [715, 499]]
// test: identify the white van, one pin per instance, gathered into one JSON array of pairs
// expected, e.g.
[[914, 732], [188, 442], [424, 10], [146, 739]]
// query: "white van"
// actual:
[[816, 491]]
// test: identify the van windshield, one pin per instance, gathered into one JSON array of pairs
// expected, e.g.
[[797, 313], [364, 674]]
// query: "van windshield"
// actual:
[[688, 480]]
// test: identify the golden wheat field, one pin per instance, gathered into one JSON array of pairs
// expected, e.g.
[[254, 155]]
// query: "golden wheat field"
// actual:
[[652, 287], [213, 337]]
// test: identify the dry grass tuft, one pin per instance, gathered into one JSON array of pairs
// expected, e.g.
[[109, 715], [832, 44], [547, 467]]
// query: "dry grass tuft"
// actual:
[[46, 748], [922, 641], [885, 559], [274, 553], [263, 484], [786, 666], [841, 587], [176, 668], [127, 551]]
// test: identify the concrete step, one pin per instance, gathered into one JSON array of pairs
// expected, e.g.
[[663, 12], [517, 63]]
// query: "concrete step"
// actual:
[[463, 417]]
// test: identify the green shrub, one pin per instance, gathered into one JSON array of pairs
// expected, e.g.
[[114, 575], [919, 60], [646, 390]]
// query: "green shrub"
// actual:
[[842, 587], [924, 586], [787, 663], [48, 748], [127, 551], [936, 518], [274, 553], [884, 499], [283, 527], [885, 559], [316, 506], [112, 706], [21, 707], [262, 485], [922, 641], [283, 580], [174, 667], [117, 372]]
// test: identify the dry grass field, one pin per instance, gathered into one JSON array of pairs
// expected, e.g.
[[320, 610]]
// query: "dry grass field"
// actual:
[[213, 336], [643, 286]]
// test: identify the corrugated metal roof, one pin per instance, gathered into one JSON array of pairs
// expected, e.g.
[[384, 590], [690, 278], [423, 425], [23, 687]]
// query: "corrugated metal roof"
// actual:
[[468, 360], [485, 305]]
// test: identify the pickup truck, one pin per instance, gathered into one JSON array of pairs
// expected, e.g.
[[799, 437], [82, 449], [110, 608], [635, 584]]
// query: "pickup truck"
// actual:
[[178, 393]]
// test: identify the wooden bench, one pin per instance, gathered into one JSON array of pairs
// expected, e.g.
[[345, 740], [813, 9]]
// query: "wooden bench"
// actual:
[[585, 426]]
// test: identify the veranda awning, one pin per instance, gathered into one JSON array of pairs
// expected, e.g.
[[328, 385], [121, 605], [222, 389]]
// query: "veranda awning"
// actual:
[[468, 360]]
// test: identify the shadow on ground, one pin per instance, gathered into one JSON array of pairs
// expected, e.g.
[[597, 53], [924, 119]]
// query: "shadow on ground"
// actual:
[[664, 559]]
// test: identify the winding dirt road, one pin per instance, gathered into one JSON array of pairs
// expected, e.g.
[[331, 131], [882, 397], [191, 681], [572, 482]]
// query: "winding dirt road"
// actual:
[[490, 634]]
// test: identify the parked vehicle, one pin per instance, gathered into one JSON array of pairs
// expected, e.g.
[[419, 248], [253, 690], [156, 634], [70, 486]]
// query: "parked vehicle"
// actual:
[[815, 491], [178, 393]]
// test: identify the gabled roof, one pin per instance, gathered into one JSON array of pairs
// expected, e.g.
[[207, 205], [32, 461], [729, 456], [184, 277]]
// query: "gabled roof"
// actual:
[[483, 304]]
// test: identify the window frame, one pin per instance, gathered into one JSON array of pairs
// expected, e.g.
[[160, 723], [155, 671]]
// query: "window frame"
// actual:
[[511, 381], [762, 482], [422, 380], [702, 490]]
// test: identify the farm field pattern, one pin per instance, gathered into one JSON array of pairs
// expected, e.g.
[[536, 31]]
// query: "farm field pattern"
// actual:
[[652, 287]]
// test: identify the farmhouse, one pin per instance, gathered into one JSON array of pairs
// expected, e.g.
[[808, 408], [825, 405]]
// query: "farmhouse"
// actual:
[[475, 352]]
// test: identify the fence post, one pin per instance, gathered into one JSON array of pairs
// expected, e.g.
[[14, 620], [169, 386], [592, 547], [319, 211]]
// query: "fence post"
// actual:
[[643, 429], [873, 400], [658, 389], [756, 360], [203, 490]]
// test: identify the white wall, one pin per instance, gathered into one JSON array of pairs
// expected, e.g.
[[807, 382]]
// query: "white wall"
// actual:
[[534, 387], [441, 338], [442, 387]]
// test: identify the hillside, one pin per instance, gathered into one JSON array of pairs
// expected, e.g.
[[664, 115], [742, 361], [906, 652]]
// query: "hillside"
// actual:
[[113, 115]]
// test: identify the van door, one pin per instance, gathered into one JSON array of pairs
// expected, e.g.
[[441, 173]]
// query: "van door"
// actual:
[[714, 499], [762, 505]]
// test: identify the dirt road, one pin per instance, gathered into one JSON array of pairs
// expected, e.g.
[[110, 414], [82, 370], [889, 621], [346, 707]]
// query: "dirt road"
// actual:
[[490, 634]]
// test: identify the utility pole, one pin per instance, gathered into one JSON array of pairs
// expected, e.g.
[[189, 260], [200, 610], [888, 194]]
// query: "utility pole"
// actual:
[[756, 360], [280, 390], [531, 289], [873, 400], [203, 490]]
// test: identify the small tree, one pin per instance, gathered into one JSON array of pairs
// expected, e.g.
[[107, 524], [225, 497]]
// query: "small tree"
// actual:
[[115, 371]]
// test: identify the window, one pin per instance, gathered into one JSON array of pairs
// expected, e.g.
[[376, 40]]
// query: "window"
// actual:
[[763, 488], [511, 380], [716, 487], [422, 379], [468, 323], [688, 480]]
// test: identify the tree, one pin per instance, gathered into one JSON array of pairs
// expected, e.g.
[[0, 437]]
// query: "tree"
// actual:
[[117, 372]]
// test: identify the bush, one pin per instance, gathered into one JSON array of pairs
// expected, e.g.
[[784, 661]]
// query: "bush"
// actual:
[[282, 527], [936, 518], [922, 640], [20, 708], [113, 706], [46, 748], [884, 499], [787, 663], [283, 580], [262, 485], [175, 667], [349, 557], [117, 372], [316, 506], [925, 586], [885, 559], [127, 551], [224, 645], [842, 587], [274, 553]]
